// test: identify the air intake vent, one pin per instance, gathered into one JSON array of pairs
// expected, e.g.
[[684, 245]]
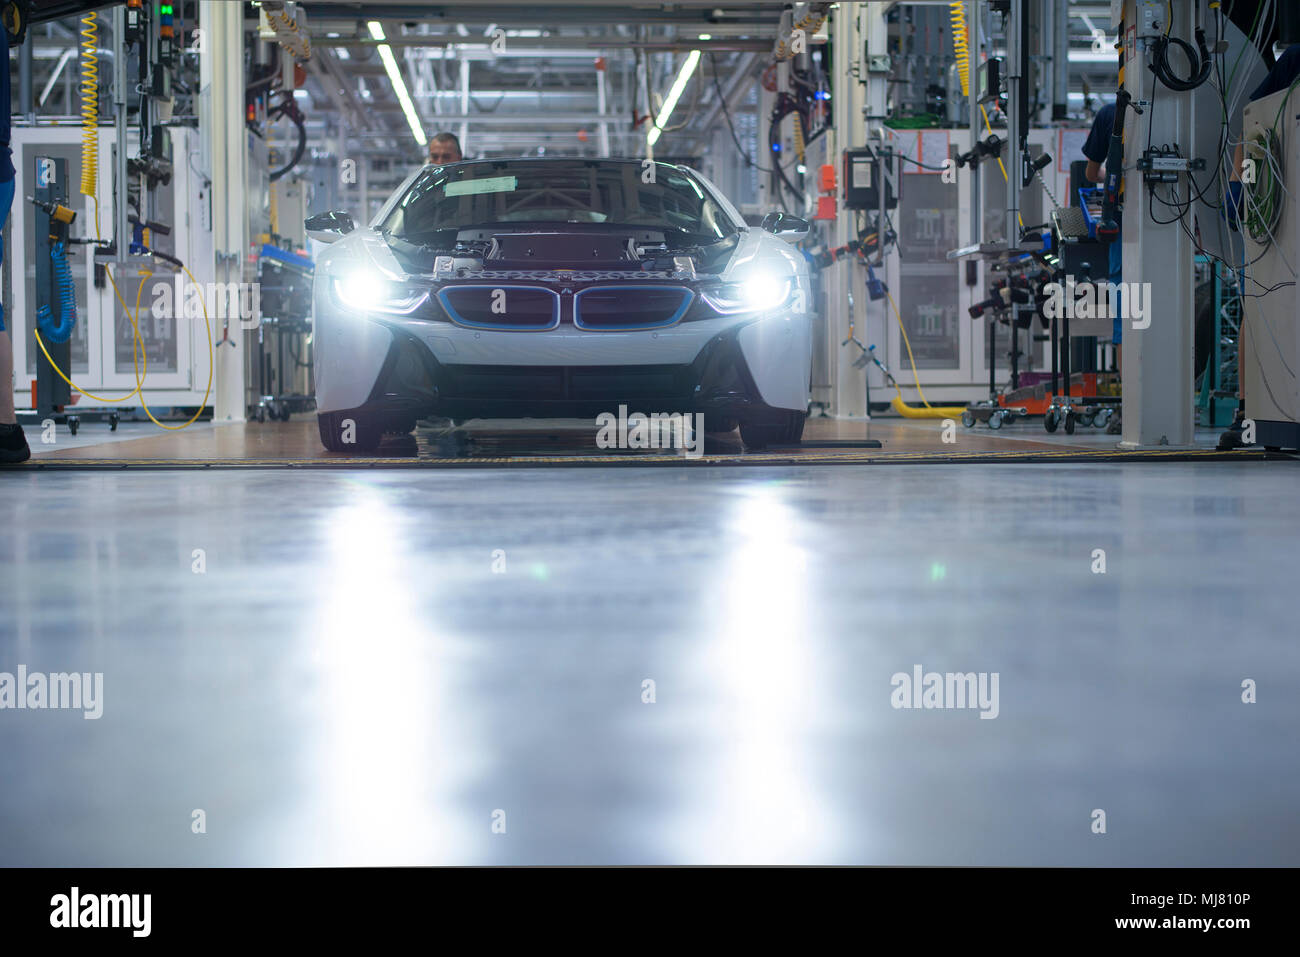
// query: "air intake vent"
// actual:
[[501, 306], [630, 307]]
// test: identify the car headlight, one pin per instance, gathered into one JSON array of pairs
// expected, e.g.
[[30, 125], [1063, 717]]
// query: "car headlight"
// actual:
[[758, 292], [364, 290]]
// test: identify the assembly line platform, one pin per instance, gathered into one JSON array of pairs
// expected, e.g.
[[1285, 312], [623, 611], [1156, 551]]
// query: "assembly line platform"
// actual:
[[545, 443]]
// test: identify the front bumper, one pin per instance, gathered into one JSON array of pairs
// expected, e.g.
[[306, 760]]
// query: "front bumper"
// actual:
[[733, 366], [413, 383]]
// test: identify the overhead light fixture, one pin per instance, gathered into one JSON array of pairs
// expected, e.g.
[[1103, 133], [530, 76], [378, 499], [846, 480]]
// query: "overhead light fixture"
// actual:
[[399, 85], [674, 94]]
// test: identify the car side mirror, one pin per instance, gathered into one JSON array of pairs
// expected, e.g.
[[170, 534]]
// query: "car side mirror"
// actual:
[[329, 227], [787, 227]]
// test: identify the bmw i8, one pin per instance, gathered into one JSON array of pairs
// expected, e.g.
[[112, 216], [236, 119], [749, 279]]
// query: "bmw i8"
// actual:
[[515, 288]]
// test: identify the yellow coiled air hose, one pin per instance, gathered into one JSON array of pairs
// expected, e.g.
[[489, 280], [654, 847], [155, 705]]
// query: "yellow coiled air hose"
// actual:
[[961, 45], [89, 90], [89, 107]]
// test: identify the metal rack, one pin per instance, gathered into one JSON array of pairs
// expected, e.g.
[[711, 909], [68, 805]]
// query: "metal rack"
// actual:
[[1216, 395], [285, 280]]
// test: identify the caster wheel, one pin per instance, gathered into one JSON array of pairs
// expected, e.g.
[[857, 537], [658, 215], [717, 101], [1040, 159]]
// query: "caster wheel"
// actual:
[[1069, 423], [968, 419], [995, 420], [73, 424], [261, 414], [112, 422], [1051, 420]]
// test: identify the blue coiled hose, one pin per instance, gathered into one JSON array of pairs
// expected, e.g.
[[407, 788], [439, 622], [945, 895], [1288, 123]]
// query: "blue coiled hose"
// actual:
[[67, 300]]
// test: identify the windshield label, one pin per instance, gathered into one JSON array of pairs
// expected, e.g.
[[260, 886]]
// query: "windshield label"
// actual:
[[489, 184]]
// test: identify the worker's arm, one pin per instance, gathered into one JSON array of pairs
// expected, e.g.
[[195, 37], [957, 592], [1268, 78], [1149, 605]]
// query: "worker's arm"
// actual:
[[1096, 148]]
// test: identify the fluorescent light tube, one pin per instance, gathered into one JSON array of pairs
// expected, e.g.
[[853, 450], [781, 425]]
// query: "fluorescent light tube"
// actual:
[[399, 85]]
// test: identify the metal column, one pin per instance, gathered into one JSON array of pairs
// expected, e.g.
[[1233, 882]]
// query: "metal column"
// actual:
[[221, 82], [1017, 69], [121, 188], [855, 30], [1060, 59], [1157, 361]]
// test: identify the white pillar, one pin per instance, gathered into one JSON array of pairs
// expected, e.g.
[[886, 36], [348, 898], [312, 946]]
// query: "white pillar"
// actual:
[[601, 107], [1157, 361], [848, 384], [221, 83], [464, 100]]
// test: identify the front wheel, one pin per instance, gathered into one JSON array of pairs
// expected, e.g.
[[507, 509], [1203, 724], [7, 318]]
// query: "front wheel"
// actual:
[[348, 432], [777, 428]]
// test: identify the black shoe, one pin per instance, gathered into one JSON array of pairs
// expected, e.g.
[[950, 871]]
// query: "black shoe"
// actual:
[[13, 445], [1231, 438]]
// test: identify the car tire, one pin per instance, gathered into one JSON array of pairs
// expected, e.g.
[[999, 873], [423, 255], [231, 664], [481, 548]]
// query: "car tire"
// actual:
[[777, 428], [365, 434]]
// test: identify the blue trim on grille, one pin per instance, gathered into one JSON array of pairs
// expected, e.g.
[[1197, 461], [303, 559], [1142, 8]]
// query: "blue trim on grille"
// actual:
[[687, 298], [496, 326]]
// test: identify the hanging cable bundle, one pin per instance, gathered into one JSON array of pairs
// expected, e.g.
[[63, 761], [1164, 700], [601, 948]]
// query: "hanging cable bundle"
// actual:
[[1263, 205], [289, 109], [1200, 65]]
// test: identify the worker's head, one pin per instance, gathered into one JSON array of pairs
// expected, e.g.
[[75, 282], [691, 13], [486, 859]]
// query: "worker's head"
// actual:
[[444, 148]]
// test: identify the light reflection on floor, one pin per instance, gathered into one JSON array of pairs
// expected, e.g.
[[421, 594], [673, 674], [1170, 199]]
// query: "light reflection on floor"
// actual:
[[379, 667]]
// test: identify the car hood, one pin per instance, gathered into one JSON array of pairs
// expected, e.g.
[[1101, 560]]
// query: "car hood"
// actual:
[[725, 260]]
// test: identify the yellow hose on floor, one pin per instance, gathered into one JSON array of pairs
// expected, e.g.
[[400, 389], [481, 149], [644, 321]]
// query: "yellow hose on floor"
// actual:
[[897, 403]]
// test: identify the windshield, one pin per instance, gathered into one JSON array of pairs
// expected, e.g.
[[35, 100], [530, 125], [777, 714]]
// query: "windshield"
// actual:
[[480, 194]]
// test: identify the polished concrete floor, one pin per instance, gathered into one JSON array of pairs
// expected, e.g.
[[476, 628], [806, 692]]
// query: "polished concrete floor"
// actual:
[[376, 667]]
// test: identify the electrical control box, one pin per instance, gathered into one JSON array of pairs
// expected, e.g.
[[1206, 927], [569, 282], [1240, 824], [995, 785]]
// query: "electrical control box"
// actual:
[[990, 80], [864, 173]]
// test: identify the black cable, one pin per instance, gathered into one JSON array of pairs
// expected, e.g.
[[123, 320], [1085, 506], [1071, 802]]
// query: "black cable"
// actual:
[[937, 169], [1200, 64], [290, 110], [785, 105], [1269, 289], [722, 100]]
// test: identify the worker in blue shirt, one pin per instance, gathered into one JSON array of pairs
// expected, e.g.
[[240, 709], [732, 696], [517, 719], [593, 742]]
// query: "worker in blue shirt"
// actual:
[[13, 443]]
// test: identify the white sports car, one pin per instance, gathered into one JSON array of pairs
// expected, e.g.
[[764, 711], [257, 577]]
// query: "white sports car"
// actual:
[[559, 288]]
